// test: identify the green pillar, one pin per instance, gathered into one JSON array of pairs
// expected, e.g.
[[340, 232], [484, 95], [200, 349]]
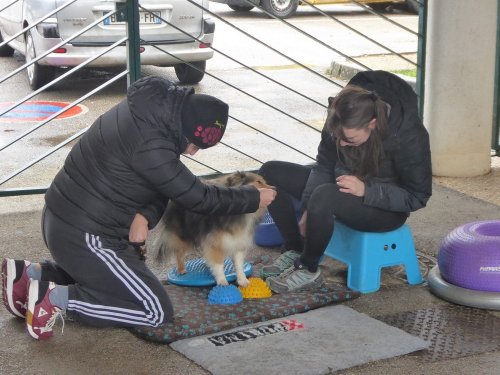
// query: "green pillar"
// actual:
[[422, 35]]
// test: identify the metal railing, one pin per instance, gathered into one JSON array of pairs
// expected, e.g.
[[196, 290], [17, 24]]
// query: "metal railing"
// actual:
[[130, 11]]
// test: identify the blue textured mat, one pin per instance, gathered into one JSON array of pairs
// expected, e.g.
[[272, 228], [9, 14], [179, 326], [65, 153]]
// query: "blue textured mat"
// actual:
[[198, 273]]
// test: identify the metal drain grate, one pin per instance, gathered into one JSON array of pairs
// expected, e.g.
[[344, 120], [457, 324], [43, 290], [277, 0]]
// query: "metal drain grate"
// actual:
[[453, 331]]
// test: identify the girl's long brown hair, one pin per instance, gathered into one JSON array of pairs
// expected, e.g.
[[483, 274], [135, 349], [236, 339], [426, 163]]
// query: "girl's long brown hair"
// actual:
[[354, 108]]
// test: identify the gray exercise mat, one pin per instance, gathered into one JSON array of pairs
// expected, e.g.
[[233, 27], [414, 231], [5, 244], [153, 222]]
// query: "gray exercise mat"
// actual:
[[316, 342]]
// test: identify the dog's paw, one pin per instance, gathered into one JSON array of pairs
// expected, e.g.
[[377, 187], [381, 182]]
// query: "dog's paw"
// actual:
[[243, 282], [222, 282]]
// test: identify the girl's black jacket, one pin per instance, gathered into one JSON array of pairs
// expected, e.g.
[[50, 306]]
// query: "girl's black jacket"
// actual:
[[404, 180], [129, 161]]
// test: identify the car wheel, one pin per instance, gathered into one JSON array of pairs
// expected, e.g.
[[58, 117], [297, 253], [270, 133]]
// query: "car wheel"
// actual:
[[379, 7], [189, 74], [6, 50], [38, 75], [280, 8], [413, 6], [241, 8]]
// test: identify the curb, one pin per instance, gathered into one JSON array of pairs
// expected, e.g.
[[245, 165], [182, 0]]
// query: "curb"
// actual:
[[345, 72]]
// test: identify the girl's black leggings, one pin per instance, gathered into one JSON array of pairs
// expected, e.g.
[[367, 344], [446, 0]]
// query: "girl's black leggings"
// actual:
[[325, 205]]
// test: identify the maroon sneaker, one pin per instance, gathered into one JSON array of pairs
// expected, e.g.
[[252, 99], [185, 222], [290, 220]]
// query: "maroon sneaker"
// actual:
[[41, 314], [15, 285]]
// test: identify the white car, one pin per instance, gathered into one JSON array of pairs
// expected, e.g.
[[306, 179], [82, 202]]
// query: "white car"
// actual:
[[287, 8], [190, 44]]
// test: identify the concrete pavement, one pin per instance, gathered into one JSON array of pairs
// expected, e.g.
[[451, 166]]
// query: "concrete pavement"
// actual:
[[86, 350]]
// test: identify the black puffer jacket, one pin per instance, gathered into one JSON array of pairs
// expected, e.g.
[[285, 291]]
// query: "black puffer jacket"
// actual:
[[129, 162], [404, 180]]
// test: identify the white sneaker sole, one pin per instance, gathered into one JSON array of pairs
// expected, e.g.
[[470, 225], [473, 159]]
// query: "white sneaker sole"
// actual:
[[9, 285], [32, 298]]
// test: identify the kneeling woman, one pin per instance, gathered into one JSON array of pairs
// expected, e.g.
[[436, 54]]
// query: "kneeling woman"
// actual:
[[372, 169]]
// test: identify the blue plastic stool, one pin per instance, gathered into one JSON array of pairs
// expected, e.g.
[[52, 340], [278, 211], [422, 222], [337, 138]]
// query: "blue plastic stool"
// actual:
[[366, 253]]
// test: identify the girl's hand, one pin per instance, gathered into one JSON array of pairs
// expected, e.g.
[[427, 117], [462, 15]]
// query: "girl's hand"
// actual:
[[302, 224], [138, 229], [351, 185]]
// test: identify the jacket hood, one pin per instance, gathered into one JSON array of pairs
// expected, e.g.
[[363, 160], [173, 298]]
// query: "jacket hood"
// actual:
[[156, 103]]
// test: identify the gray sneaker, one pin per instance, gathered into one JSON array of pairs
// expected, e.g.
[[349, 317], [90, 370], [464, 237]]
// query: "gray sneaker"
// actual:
[[283, 262], [295, 280]]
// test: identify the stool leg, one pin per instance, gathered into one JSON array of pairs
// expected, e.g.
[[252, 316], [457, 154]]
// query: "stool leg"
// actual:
[[363, 278], [413, 275]]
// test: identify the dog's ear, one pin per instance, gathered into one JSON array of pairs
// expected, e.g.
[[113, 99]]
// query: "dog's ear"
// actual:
[[245, 178], [229, 180], [236, 179]]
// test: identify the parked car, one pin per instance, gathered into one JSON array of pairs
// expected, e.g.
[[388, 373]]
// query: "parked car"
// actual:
[[65, 23], [286, 8]]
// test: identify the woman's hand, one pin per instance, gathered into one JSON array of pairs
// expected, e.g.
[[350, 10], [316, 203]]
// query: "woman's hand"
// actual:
[[266, 197], [302, 224], [138, 229], [351, 185]]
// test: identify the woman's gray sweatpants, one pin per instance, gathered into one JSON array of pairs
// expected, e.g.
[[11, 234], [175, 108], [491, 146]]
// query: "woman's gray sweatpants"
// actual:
[[108, 283]]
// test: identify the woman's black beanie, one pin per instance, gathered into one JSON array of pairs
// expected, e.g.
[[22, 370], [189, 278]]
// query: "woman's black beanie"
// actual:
[[204, 119]]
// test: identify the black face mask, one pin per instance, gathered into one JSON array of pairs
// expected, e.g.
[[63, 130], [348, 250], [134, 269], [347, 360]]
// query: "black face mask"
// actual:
[[183, 144]]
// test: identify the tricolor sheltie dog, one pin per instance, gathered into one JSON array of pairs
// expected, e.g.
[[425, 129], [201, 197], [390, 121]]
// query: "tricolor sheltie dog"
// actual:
[[217, 236]]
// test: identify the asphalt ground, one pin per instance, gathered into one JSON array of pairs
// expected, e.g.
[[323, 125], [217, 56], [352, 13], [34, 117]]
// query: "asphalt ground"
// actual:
[[86, 350]]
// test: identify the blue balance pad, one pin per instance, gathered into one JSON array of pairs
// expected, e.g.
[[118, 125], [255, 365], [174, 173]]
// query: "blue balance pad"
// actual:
[[267, 233], [198, 273], [224, 295]]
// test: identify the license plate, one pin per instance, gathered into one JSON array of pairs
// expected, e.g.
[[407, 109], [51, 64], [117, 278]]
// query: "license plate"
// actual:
[[144, 18]]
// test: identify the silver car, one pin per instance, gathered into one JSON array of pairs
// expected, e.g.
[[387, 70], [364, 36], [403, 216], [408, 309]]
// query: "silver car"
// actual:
[[287, 8], [187, 41]]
